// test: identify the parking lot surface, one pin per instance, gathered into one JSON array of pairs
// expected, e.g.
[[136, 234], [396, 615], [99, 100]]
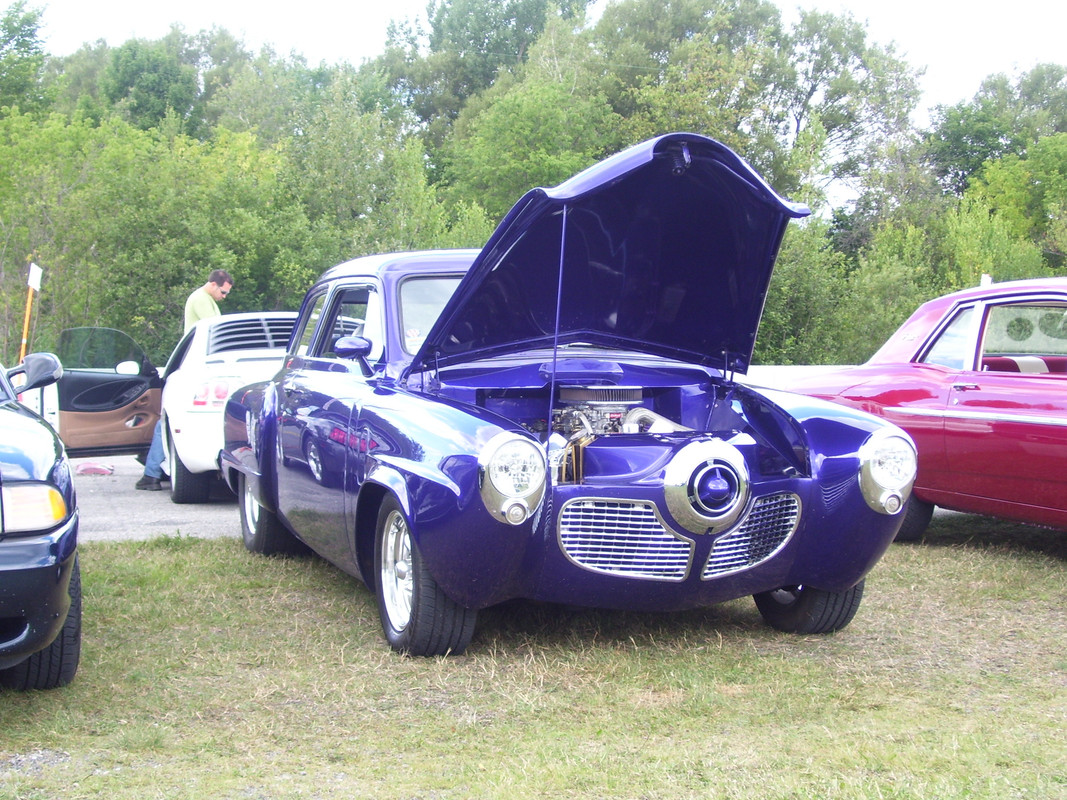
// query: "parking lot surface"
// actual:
[[111, 509]]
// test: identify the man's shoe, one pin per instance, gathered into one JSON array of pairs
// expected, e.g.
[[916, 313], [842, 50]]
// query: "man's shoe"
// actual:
[[149, 484]]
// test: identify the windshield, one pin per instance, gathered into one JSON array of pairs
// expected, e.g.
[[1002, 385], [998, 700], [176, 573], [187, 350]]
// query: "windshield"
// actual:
[[421, 301]]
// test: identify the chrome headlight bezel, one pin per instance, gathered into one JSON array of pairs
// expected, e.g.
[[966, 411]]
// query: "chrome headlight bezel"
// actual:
[[512, 475], [888, 463]]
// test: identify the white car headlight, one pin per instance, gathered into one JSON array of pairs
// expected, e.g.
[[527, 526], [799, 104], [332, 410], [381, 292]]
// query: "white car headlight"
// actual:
[[887, 470], [512, 477], [32, 507]]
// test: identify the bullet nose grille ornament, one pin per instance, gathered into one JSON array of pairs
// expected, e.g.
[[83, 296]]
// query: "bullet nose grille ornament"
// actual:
[[706, 486]]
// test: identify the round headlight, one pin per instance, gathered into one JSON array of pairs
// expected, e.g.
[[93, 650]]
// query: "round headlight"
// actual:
[[513, 477], [516, 467], [887, 470]]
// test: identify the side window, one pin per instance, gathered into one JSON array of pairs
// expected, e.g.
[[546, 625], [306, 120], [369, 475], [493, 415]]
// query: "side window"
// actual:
[[351, 314], [954, 347], [306, 326], [1025, 337]]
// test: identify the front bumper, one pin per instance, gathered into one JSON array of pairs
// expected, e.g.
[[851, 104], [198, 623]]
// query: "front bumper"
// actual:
[[34, 590]]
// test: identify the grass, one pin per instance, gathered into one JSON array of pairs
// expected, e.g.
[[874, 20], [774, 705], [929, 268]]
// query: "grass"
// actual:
[[211, 673]]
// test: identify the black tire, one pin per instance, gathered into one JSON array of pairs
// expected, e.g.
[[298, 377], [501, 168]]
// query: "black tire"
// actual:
[[57, 664], [261, 530], [917, 515], [186, 486], [418, 619], [802, 609]]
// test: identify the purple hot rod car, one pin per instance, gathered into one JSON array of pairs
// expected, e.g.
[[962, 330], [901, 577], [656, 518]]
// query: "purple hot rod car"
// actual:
[[554, 417]]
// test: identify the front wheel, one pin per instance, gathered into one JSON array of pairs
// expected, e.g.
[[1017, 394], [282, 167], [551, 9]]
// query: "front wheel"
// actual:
[[261, 529], [418, 619], [55, 665], [802, 609]]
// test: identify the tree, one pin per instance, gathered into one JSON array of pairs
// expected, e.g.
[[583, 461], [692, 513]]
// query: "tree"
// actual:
[[22, 59], [148, 80], [469, 43], [534, 134], [1028, 193], [1002, 119]]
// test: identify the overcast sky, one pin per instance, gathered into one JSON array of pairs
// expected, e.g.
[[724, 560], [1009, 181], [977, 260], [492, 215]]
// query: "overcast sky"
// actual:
[[958, 43]]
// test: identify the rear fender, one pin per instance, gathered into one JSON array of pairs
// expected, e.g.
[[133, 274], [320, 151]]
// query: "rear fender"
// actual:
[[251, 442]]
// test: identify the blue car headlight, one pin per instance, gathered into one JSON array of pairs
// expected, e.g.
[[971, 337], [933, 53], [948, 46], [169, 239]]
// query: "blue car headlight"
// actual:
[[887, 470], [30, 507], [511, 477]]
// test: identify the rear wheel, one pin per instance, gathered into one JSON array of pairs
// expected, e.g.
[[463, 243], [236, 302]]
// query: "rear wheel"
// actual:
[[802, 609], [261, 529], [55, 665], [917, 516], [186, 486], [417, 617]]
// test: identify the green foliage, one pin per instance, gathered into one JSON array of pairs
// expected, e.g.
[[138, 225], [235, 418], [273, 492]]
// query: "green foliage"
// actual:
[[127, 222], [22, 59], [162, 159], [148, 80], [894, 276], [1003, 119], [802, 304], [1028, 193], [534, 134]]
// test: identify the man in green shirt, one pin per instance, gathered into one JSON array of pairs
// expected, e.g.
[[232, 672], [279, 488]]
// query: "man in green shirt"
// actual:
[[203, 303]]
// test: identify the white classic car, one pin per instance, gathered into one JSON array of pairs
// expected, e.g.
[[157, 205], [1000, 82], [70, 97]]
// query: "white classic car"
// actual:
[[111, 396]]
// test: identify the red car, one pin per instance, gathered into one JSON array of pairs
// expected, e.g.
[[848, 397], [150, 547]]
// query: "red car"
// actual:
[[979, 380]]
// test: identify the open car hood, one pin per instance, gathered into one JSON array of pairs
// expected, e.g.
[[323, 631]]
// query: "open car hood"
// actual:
[[666, 248]]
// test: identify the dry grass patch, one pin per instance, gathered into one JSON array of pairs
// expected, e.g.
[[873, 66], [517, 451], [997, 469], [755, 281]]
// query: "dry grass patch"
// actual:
[[208, 672]]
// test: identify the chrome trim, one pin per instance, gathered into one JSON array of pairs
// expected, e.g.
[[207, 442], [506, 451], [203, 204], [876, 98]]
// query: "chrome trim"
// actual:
[[497, 502], [687, 466], [625, 538], [768, 527], [984, 416]]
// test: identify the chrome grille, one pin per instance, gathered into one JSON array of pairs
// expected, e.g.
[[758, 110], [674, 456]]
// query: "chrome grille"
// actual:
[[767, 527], [622, 537]]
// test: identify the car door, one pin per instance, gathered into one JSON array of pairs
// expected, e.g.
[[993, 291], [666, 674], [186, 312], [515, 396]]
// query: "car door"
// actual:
[[1006, 424], [319, 392], [109, 396]]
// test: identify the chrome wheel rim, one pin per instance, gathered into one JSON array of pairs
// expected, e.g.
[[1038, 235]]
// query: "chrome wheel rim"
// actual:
[[398, 586], [786, 595], [251, 507], [314, 461]]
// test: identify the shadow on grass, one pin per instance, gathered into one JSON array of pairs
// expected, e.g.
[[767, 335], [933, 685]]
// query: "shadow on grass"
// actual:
[[547, 626], [987, 533]]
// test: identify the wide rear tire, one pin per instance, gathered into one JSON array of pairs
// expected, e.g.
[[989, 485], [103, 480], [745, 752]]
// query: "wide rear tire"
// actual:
[[802, 609], [261, 530], [418, 619]]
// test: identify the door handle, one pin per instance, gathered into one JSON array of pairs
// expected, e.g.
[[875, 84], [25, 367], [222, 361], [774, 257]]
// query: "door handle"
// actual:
[[966, 387]]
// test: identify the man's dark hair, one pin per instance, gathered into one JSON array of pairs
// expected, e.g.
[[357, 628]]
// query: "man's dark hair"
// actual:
[[220, 277]]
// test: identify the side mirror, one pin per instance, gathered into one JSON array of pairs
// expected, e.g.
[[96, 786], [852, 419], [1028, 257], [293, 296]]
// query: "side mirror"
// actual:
[[128, 368], [355, 347], [39, 369]]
